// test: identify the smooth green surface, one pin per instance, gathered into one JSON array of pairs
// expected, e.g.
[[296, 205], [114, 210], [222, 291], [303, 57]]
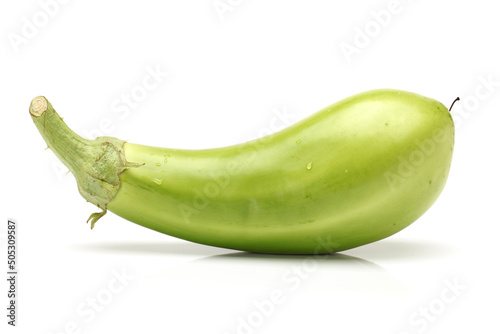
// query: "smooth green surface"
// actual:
[[353, 173]]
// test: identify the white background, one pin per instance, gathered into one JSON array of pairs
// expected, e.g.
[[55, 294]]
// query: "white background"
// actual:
[[230, 73]]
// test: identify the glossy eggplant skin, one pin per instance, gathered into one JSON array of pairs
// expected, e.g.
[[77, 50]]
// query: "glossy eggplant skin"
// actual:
[[353, 173]]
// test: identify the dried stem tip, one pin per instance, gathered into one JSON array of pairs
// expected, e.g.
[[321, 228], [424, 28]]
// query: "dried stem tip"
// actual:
[[38, 106]]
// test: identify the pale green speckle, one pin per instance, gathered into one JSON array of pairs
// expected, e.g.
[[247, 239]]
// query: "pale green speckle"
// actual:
[[157, 181]]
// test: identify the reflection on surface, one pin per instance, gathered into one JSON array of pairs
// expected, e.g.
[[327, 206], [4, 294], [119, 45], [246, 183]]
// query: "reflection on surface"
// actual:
[[188, 263], [338, 273], [382, 250], [200, 265], [337, 259], [390, 249], [167, 247]]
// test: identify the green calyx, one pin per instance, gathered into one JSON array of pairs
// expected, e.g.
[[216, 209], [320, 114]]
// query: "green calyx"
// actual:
[[96, 164]]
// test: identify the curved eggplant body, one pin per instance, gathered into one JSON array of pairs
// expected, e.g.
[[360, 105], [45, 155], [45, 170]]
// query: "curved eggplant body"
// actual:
[[355, 172]]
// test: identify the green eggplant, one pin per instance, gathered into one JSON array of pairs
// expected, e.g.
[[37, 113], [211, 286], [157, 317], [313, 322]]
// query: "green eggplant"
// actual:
[[353, 173]]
